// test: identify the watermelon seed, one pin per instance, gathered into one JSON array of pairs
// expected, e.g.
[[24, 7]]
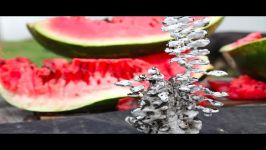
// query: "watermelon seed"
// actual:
[[98, 81], [152, 25]]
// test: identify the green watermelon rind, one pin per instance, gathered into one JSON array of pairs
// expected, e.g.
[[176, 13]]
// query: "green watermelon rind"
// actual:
[[249, 58], [42, 104], [114, 51], [106, 49], [214, 24], [229, 47]]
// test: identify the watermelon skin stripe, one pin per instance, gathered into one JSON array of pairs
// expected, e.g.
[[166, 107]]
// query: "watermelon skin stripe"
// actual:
[[114, 51], [127, 47]]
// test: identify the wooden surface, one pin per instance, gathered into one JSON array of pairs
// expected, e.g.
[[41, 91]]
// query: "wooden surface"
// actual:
[[236, 120], [10, 114]]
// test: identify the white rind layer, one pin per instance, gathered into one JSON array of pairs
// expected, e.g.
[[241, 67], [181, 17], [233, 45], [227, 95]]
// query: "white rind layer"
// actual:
[[48, 104]]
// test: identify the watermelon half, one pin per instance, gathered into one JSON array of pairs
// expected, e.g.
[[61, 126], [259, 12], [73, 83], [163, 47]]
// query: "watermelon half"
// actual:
[[118, 37], [248, 55], [59, 85]]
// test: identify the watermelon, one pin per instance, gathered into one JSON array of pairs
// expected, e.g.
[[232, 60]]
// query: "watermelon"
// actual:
[[61, 85], [247, 55], [118, 37], [243, 87]]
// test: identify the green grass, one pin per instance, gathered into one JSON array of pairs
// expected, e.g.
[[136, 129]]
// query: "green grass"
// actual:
[[27, 48]]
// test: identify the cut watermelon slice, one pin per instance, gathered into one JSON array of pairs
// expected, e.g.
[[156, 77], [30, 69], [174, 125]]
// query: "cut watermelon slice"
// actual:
[[62, 86], [248, 55], [243, 41], [119, 37]]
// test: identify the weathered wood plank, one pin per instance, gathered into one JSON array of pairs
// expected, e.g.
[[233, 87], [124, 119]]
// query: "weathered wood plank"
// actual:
[[10, 114], [229, 120]]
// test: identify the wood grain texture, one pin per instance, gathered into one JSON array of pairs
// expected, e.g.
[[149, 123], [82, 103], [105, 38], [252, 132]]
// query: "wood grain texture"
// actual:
[[231, 120], [10, 114]]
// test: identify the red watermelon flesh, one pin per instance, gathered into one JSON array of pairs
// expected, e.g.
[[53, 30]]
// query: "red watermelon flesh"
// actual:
[[58, 72], [247, 39], [125, 27], [59, 85], [241, 88], [93, 72]]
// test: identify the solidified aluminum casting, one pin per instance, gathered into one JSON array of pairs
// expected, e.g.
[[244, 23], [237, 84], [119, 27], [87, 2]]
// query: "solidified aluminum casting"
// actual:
[[170, 106]]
